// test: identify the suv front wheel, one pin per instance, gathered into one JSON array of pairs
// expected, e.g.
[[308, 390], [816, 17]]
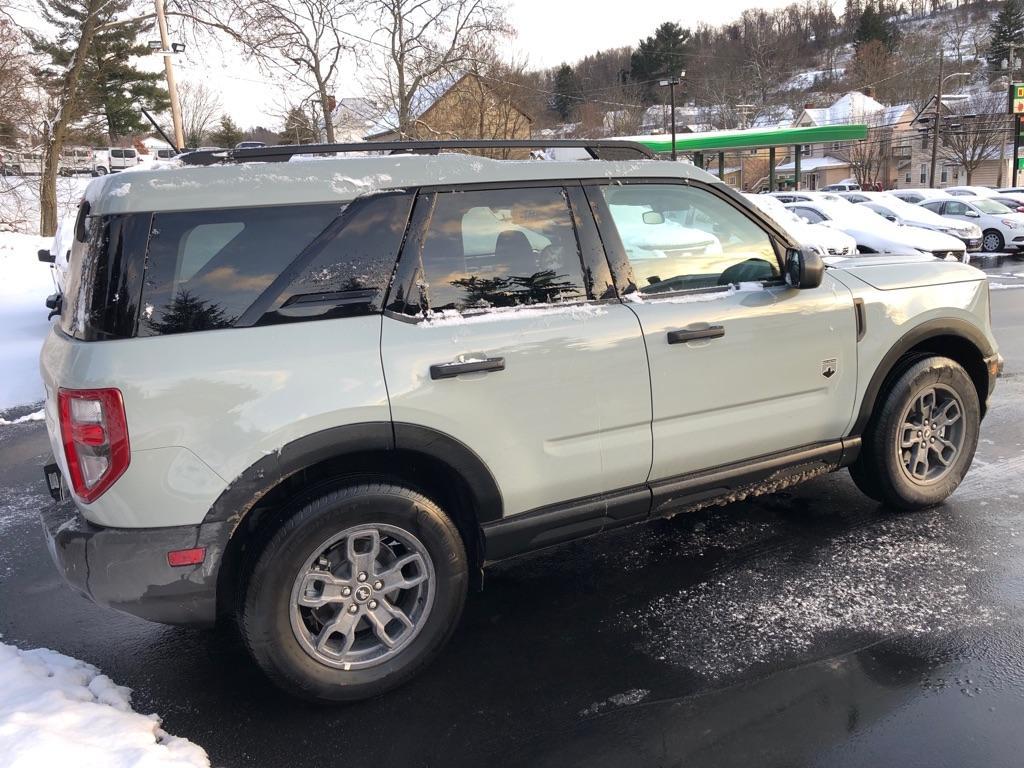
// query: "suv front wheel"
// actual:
[[917, 450], [355, 593]]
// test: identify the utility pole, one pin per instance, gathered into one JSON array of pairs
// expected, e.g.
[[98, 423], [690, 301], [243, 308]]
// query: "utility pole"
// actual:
[[172, 88], [672, 82], [935, 127]]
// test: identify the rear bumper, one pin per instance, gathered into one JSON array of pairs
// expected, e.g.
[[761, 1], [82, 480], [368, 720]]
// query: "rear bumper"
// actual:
[[127, 569], [972, 243]]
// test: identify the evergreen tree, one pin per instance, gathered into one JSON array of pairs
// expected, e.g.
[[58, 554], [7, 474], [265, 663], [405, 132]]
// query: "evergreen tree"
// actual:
[[226, 134], [1007, 29], [299, 127], [567, 92], [663, 54], [876, 24], [111, 87]]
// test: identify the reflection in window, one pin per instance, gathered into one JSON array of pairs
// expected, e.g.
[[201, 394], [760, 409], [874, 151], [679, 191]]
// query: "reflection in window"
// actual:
[[680, 238], [501, 248]]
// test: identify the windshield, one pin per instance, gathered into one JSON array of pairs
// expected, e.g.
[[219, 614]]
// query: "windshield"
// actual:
[[990, 206]]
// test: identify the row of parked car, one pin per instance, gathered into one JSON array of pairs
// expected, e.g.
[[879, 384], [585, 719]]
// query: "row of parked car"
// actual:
[[76, 161], [950, 222]]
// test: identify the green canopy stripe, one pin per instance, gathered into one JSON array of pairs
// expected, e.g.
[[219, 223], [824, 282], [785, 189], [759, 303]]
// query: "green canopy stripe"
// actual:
[[715, 141]]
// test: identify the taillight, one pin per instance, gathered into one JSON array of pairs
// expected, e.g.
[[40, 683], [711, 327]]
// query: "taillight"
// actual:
[[94, 431]]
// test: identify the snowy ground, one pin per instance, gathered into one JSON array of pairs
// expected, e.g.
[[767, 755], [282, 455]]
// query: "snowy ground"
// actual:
[[25, 282], [58, 711]]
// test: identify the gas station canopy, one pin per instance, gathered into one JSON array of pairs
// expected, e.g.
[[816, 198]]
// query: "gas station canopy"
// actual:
[[752, 138]]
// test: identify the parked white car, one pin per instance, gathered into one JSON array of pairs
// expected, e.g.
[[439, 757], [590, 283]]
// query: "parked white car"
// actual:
[[1012, 200], [874, 234], [970, 191], [843, 186], [920, 195], [114, 159], [806, 195], [1000, 226], [910, 215], [828, 240]]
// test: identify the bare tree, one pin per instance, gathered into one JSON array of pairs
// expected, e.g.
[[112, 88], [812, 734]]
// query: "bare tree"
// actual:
[[300, 39], [199, 109], [15, 80], [420, 42], [975, 132]]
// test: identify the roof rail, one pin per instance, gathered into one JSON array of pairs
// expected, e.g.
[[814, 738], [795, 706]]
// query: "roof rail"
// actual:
[[599, 149]]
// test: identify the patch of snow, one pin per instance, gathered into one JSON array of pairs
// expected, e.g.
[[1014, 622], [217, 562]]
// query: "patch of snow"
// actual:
[[121, 190], [692, 298], [451, 317], [25, 282], [903, 577], [625, 699], [35, 416], [1003, 286], [341, 183], [58, 711]]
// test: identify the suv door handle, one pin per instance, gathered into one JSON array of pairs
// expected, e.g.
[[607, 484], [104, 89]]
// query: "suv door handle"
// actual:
[[683, 336], [451, 370]]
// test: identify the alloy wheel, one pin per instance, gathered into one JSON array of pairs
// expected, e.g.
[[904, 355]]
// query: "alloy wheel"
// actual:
[[931, 434], [362, 596]]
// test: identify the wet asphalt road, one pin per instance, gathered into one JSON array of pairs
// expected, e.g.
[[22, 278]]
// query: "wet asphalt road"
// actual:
[[805, 628]]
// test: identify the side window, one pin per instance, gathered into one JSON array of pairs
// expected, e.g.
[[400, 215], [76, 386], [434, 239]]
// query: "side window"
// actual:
[[812, 216], [934, 206], [679, 237], [501, 248], [205, 268], [117, 153], [956, 208]]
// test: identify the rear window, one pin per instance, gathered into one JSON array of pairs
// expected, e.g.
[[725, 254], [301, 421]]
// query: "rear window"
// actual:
[[217, 269]]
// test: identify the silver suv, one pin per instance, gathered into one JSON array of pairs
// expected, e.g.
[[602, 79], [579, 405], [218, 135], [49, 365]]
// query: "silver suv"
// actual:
[[319, 397]]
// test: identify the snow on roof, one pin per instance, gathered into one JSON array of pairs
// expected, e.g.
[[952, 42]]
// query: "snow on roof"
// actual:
[[851, 107], [774, 119], [813, 164], [425, 97]]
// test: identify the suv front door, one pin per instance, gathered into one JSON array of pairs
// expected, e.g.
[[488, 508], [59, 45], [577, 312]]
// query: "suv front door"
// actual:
[[742, 365], [503, 331]]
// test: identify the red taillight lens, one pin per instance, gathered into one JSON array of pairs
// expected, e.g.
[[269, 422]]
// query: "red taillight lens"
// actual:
[[94, 431]]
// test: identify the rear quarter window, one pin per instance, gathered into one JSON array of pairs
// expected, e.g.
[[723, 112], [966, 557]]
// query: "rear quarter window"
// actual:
[[208, 270]]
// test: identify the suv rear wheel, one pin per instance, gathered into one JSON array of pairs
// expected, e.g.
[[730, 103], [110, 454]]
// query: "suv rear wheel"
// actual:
[[918, 449], [355, 593]]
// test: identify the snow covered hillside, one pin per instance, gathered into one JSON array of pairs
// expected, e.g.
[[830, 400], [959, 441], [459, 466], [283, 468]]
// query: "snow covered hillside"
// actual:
[[58, 711]]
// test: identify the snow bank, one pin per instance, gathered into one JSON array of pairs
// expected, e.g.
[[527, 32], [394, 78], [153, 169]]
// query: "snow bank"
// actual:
[[58, 711], [34, 416], [25, 282]]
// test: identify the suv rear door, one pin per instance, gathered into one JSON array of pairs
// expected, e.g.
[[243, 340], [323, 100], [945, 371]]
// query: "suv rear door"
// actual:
[[735, 373], [503, 331]]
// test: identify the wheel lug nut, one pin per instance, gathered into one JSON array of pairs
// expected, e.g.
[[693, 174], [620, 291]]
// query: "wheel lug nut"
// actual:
[[378, 585], [353, 608], [372, 604], [346, 591], [361, 576]]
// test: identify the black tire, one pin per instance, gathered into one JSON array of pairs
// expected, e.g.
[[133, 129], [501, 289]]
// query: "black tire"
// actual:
[[882, 471], [265, 617], [996, 237]]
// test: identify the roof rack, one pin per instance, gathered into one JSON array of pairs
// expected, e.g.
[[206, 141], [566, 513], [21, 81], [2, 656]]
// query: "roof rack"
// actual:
[[598, 149]]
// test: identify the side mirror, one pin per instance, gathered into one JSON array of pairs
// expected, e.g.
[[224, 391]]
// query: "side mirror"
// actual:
[[893, 219], [653, 217], [973, 214], [45, 255], [804, 268]]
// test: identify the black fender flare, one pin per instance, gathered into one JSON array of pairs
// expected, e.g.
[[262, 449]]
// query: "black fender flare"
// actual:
[[268, 472], [930, 329]]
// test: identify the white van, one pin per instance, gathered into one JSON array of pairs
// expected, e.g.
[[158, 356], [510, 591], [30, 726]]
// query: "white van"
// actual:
[[114, 159], [75, 160]]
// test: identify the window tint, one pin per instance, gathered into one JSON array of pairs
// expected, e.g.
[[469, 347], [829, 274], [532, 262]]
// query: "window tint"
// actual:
[[679, 237], [117, 153], [204, 268], [501, 248], [934, 206]]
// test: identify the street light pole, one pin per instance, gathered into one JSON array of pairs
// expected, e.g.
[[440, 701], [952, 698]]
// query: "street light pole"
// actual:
[[172, 88], [672, 82], [935, 125]]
